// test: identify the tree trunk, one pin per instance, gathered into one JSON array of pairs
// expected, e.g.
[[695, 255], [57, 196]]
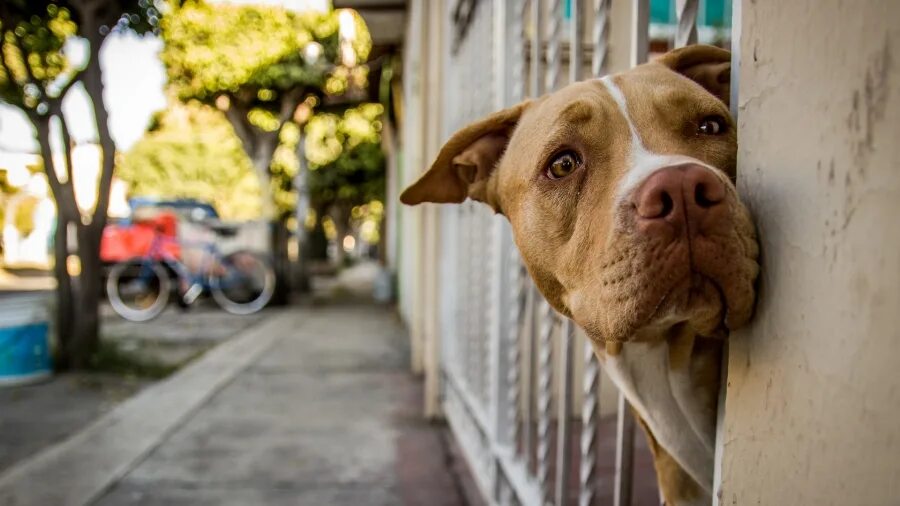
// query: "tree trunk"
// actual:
[[317, 242], [301, 268], [340, 213], [84, 285], [278, 231], [87, 332], [65, 314], [302, 282], [260, 146], [281, 262], [78, 294], [78, 289]]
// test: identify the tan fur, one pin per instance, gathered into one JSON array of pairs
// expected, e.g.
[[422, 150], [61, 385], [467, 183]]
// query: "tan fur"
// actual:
[[676, 486], [579, 241]]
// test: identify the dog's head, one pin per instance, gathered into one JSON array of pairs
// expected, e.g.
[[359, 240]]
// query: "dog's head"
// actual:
[[621, 196]]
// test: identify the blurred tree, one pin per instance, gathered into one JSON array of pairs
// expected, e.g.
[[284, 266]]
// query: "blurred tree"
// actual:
[[190, 151], [346, 164], [258, 65], [6, 191], [36, 73]]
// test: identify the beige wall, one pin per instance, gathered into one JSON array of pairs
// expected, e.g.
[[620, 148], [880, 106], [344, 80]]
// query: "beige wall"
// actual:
[[434, 49], [813, 401], [412, 141]]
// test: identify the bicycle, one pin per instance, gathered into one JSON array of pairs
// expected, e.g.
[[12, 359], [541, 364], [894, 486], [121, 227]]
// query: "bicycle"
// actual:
[[241, 282]]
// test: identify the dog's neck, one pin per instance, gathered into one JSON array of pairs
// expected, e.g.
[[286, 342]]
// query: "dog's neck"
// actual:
[[673, 386]]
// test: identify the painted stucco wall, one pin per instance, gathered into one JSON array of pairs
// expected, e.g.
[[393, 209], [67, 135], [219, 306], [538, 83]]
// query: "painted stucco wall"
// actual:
[[409, 256], [812, 410]]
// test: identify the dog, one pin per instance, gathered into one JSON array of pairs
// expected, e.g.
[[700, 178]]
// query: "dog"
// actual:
[[620, 192]]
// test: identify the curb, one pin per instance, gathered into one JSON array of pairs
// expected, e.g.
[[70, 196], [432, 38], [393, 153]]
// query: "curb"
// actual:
[[79, 469]]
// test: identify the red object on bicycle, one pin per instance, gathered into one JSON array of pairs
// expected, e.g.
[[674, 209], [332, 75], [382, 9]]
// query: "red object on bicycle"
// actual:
[[123, 242]]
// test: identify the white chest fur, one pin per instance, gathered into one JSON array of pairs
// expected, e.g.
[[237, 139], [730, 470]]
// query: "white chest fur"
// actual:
[[663, 397]]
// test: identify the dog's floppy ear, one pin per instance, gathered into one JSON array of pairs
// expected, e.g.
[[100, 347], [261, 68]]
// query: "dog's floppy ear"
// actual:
[[708, 66], [464, 165]]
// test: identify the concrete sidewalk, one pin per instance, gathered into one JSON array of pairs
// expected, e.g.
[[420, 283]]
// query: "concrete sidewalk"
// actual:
[[313, 406]]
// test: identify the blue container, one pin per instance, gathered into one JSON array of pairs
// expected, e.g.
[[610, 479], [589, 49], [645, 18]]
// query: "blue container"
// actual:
[[24, 338]]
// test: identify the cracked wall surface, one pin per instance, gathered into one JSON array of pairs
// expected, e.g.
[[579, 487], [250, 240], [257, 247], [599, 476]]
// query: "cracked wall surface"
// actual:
[[812, 411]]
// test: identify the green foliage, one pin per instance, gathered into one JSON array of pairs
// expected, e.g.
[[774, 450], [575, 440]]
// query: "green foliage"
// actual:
[[37, 39], [345, 157], [285, 166], [33, 34], [23, 219], [6, 189], [190, 151], [255, 51], [258, 64]]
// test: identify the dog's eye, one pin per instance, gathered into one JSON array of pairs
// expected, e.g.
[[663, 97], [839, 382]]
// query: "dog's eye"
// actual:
[[563, 165], [712, 125]]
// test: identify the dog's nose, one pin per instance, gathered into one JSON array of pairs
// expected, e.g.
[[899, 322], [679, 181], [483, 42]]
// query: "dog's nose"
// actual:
[[683, 192]]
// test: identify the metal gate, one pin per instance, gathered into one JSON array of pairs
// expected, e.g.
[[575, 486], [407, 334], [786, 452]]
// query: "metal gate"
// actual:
[[520, 385]]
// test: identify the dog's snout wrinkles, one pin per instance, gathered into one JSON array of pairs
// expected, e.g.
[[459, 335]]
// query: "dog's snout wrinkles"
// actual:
[[673, 194]]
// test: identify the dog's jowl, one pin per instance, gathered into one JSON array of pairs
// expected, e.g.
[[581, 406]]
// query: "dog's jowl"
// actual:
[[621, 198]]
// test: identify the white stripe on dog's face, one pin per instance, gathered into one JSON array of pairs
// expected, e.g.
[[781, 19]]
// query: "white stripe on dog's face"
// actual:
[[642, 163], [664, 398]]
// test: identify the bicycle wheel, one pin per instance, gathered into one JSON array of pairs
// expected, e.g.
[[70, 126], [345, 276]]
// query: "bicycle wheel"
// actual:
[[242, 283], [138, 289]]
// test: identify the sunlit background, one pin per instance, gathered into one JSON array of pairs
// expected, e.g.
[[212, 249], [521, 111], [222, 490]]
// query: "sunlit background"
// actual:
[[173, 147]]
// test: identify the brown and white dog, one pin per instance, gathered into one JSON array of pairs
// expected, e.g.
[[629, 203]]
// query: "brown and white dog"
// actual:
[[621, 198]]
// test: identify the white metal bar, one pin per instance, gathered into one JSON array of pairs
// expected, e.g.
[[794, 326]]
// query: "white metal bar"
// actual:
[[576, 41], [515, 14], [509, 66], [527, 490], [517, 50], [564, 407], [736, 29], [545, 385], [519, 38], [640, 25], [470, 440], [590, 418], [470, 400], [476, 338], [487, 312], [491, 277], [474, 308], [504, 295], [531, 300], [590, 406], [554, 45], [600, 37], [459, 366], [720, 428], [687, 22], [624, 454], [513, 336], [528, 355], [537, 16]]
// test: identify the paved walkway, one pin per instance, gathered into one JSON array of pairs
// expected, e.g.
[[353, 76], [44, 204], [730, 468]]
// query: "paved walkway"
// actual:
[[33, 417], [312, 406]]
